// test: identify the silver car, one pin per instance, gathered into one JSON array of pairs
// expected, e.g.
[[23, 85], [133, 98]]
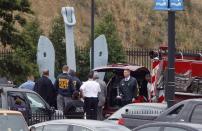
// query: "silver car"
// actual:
[[77, 125], [137, 108]]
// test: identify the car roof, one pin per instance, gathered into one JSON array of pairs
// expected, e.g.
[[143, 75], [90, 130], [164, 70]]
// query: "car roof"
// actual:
[[183, 124], [81, 122], [5, 89], [161, 105], [119, 67], [9, 112]]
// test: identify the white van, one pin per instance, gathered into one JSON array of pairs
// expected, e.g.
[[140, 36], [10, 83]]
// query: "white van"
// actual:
[[12, 121]]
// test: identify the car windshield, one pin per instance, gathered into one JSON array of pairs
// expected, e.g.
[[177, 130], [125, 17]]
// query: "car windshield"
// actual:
[[12, 123], [137, 109]]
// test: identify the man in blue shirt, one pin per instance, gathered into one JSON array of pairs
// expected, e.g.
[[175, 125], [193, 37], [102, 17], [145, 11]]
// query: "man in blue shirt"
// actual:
[[29, 84]]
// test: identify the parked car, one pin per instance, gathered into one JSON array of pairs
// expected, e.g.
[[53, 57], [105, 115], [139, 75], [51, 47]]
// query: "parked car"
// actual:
[[169, 126], [33, 104], [184, 111], [137, 108], [113, 76], [12, 121], [76, 125]]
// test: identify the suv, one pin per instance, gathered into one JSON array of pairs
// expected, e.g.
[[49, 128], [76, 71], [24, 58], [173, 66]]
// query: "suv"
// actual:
[[12, 121], [28, 102]]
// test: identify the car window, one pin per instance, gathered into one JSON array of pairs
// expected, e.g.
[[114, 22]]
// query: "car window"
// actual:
[[80, 128], [174, 129], [15, 99], [149, 129], [36, 103], [55, 127], [40, 128], [12, 123], [197, 115], [176, 111]]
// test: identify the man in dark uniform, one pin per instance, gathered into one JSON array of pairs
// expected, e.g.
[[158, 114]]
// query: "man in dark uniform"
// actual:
[[127, 88], [64, 88], [44, 87], [76, 82]]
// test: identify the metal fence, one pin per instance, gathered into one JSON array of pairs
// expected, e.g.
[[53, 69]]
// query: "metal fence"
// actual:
[[136, 56], [41, 117]]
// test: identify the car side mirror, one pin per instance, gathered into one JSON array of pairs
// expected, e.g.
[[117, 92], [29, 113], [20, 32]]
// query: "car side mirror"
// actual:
[[32, 128]]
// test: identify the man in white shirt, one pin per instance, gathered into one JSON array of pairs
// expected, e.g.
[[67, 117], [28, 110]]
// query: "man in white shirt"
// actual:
[[89, 91]]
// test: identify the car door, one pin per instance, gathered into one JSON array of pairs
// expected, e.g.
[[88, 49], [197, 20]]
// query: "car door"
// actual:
[[196, 116], [22, 105]]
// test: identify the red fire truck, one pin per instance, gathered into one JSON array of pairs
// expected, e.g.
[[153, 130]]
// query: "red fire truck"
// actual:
[[188, 74]]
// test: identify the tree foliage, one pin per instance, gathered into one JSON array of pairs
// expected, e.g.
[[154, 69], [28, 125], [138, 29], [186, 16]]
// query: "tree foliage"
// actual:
[[107, 27], [22, 61], [21, 37], [10, 16]]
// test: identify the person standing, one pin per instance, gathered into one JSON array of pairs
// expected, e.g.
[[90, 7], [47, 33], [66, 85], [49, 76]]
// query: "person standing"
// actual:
[[127, 88], [89, 91], [76, 82], [102, 95], [75, 109], [44, 87], [29, 84], [64, 88], [143, 91]]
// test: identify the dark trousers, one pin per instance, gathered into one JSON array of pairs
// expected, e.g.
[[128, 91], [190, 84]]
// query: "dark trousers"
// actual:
[[91, 105]]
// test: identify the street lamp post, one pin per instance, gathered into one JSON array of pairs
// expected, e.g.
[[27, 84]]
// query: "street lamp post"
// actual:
[[170, 87], [92, 32], [171, 6]]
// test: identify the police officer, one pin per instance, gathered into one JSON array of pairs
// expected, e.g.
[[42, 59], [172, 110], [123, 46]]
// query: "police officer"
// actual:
[[127, 88], [64, 88], [89, 91], [45, 89], [76, 82]]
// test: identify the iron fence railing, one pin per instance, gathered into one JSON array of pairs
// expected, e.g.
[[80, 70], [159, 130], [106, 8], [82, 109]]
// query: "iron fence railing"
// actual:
[[136, 56]]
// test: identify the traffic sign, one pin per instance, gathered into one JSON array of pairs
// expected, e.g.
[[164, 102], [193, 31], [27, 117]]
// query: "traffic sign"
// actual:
[[169, 5], [176, 5], [161, 5]]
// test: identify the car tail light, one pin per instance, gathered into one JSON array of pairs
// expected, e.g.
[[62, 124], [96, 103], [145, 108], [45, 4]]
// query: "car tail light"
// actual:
[[121, 121]]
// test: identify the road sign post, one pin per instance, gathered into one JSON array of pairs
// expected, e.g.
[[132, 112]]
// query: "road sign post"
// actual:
[[171, 6]]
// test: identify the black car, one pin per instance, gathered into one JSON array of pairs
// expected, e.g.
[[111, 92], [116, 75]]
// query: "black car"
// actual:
[[26, 101], [169, 126]]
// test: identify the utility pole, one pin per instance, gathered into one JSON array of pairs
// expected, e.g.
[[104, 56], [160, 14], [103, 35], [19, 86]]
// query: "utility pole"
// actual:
[[171, 6], [170, 87]]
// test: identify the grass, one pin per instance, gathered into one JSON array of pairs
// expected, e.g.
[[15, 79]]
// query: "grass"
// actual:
[[137, 23]]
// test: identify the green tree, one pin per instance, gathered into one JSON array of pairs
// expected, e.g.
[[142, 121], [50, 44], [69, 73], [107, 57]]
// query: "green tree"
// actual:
[[107, 27], [23, 59], [10, 16], [21, 37]]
